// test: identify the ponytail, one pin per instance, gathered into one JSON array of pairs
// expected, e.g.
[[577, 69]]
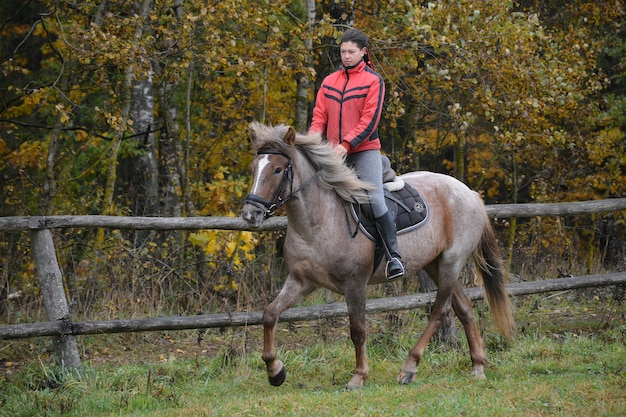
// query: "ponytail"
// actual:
[[368, 58]]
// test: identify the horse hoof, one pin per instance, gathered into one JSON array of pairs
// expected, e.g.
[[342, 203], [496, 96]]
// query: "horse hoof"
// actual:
[[355, 383], [406, 377], [278, 379], [479, 374]]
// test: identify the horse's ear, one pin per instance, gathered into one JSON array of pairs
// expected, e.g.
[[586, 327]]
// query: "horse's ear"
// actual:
[[252, 132], [290, 136]]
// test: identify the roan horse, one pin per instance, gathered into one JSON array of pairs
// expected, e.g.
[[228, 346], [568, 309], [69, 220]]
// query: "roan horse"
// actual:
[[306, 175]]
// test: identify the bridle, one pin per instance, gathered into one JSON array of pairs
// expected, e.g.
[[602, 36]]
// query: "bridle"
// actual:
[[269, 207], [279, 198]]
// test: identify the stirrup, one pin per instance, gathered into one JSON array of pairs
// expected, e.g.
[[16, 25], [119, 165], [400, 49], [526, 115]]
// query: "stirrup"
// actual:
[[397, 273]]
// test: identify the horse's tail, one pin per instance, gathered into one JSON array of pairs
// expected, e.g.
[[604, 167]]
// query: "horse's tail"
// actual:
[[490, 268]]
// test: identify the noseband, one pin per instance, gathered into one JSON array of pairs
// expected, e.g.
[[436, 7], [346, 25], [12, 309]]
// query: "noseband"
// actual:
[[269, 207]]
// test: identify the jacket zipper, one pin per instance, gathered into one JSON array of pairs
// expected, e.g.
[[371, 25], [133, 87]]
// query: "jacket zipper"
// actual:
[[341, 106]]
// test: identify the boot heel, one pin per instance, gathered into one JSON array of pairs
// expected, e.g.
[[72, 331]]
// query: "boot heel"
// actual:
[[394, 269]]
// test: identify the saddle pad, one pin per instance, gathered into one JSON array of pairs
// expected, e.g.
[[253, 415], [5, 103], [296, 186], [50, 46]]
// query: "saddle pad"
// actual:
[[407, 205]]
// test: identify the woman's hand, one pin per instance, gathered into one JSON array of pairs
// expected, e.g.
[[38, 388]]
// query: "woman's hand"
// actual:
[[341, 149]]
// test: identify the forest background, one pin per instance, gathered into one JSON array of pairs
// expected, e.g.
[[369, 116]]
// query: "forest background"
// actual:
[[141, 108]]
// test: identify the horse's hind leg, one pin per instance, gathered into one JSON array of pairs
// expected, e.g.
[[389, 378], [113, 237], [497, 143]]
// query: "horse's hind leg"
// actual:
[[291, 293], [463, 308], [439, 309]]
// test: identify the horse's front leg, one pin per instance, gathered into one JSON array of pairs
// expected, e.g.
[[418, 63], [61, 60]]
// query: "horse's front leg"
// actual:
[[355, 298], [291, 293]]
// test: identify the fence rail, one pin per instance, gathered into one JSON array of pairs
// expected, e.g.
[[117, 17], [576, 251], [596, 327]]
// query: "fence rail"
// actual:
[[64, 330], [22, 223], [326, 311]]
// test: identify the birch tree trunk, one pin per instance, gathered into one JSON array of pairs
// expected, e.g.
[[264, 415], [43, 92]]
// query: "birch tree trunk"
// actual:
[[129, 83], [143, 174], [303, 83], [143, 168]]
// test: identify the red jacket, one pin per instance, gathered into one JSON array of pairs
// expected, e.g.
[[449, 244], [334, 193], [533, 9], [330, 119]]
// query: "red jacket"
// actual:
[[348, 108]]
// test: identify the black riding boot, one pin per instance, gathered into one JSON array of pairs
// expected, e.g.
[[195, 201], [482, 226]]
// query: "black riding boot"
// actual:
[[387, 230]]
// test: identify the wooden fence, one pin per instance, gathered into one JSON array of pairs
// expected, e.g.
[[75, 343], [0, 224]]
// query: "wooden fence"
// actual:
[[64, 330]]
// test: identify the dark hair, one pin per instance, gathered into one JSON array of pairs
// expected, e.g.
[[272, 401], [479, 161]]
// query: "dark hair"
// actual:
[[361, 39], [356, 36]]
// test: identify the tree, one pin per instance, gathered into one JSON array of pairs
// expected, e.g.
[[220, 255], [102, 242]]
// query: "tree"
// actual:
[[489, 86], [114, 107]]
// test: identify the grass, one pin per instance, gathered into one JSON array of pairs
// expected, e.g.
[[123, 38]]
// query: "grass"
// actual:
[[568, 359]]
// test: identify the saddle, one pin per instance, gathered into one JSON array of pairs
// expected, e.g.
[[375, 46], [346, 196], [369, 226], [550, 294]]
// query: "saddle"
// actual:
[[409, 209]]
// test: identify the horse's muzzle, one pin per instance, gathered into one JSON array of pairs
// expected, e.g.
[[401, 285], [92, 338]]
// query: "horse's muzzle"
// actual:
[[253, 215]]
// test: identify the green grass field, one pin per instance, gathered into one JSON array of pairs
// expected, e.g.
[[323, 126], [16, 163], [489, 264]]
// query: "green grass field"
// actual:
[[569, 359]]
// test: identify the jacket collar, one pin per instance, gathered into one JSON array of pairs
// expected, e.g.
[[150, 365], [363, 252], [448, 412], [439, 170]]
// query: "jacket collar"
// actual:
[[355, 68]]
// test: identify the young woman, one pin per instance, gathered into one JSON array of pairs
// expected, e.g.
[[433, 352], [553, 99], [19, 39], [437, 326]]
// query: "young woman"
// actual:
[[347, 110]]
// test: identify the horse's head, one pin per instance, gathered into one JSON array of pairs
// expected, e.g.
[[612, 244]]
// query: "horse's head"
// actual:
[[272, 172]]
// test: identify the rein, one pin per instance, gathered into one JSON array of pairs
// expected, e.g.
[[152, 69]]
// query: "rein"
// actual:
[[278, 199]]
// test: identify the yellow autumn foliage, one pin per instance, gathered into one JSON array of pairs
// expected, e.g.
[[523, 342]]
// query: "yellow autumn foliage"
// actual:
[[230, 248]]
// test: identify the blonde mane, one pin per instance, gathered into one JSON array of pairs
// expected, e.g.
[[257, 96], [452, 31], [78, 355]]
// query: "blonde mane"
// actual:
[[333, 173]]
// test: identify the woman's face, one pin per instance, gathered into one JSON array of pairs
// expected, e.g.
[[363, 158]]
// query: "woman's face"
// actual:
[[351, 54]]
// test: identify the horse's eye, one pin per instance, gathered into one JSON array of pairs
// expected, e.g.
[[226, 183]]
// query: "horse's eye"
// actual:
[[278, 170]]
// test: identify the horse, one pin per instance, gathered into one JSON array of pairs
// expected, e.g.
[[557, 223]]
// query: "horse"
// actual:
[[311, 180]]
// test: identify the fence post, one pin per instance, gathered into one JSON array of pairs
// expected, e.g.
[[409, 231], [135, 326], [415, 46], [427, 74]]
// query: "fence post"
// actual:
[[55, 301]]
